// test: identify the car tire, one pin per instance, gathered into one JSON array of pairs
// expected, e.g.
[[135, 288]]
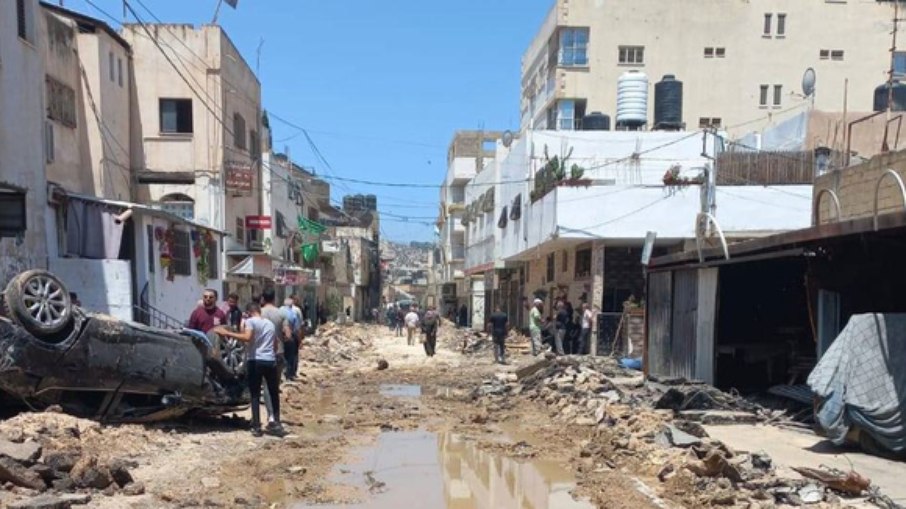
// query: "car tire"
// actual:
[[39, 302]]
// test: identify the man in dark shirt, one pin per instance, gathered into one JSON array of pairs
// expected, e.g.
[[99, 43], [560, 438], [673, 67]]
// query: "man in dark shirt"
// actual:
[[562, 322], [232, 312], [497, 326]]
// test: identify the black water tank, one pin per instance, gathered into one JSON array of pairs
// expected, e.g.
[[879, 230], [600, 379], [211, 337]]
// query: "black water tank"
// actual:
[[899, 97], [370, 202], [596, 121], [668, 103]]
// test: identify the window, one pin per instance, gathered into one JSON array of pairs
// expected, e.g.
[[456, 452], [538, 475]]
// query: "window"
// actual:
[[763, 97], [149, 234], [632, 55], [550, 267], [280, 228], [564, 261], [12, 213], [24, 21], [179, 205], [836, 54], [240, 229], [119, 71], [212, 256], [566, 120], [110, 66], [899, 63], [781, 25], [61, 104], [176, 116], [48, 142], [182, 253], [767, 25], [720, 52], [573, 47], [254, 145], [708, 122], [778, 92], [709, 52], [583, 263], [239, 131], [824, 54]]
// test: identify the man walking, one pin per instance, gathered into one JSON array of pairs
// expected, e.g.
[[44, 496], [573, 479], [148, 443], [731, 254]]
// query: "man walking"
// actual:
[[261, 365], [291, 347], [535, 326], [497, 326], [430, 324], [232, 312], [411, 320], [282, 333]]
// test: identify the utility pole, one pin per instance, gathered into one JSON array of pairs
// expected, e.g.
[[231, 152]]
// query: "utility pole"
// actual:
[[893, 48]]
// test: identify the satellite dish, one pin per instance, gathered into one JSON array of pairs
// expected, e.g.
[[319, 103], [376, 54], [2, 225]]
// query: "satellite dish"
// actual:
[[507, 139], [808, 82]]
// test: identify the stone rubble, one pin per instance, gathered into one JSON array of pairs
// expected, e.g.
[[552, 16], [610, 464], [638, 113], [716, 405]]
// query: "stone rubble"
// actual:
[[656, 429]]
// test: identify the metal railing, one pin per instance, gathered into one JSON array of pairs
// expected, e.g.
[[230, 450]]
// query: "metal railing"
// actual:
[[151, 316]]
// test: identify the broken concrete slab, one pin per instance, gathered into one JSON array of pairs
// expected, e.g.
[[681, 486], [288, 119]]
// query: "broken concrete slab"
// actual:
[[18, 474], [532, 368], [671, 436], [52, 502], [719, 416], [27, 451]]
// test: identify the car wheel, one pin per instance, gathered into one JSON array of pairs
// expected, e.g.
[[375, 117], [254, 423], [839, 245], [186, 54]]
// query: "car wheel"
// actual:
[[232, 353], [39, 302]]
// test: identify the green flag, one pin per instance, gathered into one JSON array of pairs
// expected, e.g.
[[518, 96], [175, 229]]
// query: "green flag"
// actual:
[[307, 225], [309, 252]]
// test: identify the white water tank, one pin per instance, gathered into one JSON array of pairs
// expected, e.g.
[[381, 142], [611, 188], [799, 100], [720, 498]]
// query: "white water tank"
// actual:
[[632, 100]]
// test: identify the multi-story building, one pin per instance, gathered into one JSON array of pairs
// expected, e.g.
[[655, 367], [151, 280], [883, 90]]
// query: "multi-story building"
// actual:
[[469, 152], [23, 191], [199, 106], [741, 63]]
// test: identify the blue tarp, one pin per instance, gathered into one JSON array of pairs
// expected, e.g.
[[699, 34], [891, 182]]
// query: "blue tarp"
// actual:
[[862, 380]]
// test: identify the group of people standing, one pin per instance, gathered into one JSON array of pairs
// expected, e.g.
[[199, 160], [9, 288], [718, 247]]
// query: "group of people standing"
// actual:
[[272, 336], [569, 332], [415, 321]]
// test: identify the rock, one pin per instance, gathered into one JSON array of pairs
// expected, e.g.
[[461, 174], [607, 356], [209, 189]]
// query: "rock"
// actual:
[[585, 421], [810, 494], [61, 460], [47, 473], [119, 470], [109, 491], [15, 435], [666, 472], [719, 416], [52, 502], [761, 460], [16, 473], [297, 470], [724, 498], [63, 484], [210, 482], [505, 377], [715, 465], [600, 413], [331, 419], [24, 452], [479, 418], [382, 364], [134, 489], [86, 473]]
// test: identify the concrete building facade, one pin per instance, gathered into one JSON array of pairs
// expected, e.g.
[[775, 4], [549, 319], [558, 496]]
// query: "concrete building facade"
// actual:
[[741, 63], [23, 191]]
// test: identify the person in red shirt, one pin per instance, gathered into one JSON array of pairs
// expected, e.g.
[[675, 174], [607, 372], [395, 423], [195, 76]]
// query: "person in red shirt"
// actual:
[[208, 315]]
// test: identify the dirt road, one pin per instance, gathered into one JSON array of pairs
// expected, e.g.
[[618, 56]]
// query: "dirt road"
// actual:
[[441, 432]]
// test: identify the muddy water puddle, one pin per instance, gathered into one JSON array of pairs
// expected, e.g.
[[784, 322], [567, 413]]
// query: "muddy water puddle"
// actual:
[[445, 471], [400, 390]]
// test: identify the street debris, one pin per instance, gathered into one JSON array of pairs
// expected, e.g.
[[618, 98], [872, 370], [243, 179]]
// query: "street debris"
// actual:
[[334, 343]]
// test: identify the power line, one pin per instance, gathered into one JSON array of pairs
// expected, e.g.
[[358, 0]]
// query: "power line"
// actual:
[[354, 136]]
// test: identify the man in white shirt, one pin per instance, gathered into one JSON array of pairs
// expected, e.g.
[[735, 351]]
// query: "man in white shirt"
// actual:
[[588, 317], [411, 320]]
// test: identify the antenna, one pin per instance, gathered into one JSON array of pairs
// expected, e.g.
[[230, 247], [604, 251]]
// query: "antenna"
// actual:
[[893, 48]]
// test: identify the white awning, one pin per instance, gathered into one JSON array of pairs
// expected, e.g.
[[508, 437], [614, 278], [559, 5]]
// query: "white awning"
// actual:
[[257, 265], [244, 268]]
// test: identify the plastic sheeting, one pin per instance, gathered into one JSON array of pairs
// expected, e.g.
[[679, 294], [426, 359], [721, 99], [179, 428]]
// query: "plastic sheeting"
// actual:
[[862, 379]]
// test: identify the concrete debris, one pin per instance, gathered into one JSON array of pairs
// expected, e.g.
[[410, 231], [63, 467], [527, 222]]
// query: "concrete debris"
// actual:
[[52, 502], [333, 343], [23, 452], [845, 482], [382, 364], [658, 428], [20, 475]]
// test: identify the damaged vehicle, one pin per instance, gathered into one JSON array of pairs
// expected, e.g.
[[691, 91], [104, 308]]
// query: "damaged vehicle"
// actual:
[[96, 366]]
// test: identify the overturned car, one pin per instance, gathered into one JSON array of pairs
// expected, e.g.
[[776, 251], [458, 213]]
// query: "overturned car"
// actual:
[[92, 365]]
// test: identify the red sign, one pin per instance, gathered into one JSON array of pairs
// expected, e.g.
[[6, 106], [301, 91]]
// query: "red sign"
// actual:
[[238, 176], [258, 222]]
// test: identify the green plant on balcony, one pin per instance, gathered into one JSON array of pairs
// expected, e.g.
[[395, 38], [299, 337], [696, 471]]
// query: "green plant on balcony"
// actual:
[[554, 174]]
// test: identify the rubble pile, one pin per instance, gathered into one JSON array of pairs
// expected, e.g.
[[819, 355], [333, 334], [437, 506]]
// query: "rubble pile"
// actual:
[[656, 429], [334, 343], [469, 341], [54, 460]]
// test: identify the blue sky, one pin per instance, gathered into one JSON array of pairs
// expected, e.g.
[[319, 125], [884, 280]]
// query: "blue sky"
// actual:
[[380, 86]]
